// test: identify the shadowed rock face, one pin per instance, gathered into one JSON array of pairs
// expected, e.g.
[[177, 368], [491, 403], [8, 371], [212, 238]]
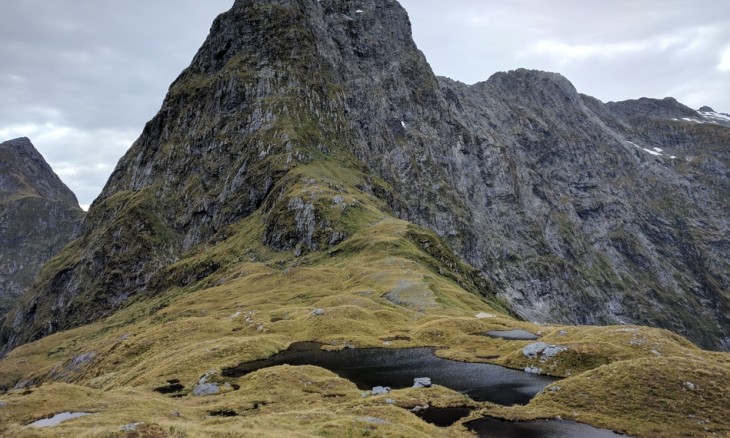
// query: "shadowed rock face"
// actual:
[[38, 216], [561, 201]]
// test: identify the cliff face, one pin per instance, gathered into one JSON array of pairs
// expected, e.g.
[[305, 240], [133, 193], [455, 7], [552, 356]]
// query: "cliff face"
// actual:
[[38, 216], [561, 201], [578, 211]]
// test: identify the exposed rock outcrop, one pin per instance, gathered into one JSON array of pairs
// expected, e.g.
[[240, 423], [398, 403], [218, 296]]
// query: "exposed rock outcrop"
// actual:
[[573, 210], [38, 217]]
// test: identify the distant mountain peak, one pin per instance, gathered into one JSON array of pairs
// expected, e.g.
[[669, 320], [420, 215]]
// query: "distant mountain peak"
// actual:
[[39, 216], [24, 170]]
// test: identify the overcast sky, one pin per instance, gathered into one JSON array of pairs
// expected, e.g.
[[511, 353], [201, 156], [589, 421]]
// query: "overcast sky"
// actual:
[[81, 77]]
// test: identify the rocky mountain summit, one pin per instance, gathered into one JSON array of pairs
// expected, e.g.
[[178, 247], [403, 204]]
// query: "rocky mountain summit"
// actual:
[[308, 197], [38, 217], [573, 210]]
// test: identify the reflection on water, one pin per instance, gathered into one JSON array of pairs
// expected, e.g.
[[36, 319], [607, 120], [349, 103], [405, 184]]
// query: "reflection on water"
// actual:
[[396, 368], [514, 335], [493, 428], [58, 419]]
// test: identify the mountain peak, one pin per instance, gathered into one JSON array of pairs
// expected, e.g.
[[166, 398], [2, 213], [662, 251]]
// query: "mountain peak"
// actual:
[[535, 84], [21, 147], [665, 108], [39, 216], [20, 142], [23, 170], [308, 178], [516, 173]]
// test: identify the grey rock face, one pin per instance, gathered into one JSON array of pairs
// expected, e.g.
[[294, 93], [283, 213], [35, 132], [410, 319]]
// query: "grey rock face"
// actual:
[[534, 349], [73, 368], [543, 350], [575, 211], [38, 216], [205, 389], [563, 202]]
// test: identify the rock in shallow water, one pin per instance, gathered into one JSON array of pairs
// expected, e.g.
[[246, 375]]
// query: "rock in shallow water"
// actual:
[[422, 382]]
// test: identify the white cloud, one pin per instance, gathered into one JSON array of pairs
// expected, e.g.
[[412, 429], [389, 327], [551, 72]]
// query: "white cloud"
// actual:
[[724, 65], [681, 42], [564, 52], [81, 77]]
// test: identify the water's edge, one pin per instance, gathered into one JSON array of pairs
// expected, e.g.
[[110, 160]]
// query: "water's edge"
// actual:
[[57, 419], [397, 369]]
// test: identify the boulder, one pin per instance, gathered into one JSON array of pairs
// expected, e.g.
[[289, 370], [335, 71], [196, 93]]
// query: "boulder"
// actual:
[[534, 349], [422, 382], [380, 390], [545, 351], [205, 389]]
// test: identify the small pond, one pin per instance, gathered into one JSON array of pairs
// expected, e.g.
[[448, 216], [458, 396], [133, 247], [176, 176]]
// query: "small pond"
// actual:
[[494, 428], [396, 368], [58, 419], [513, 335]]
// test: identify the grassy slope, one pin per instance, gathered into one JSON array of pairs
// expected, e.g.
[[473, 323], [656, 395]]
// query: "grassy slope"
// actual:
[[257, 301]]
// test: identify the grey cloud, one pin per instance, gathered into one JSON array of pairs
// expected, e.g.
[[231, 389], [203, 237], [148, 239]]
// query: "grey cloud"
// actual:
[[81, 77], [105, 63], [470, 40]]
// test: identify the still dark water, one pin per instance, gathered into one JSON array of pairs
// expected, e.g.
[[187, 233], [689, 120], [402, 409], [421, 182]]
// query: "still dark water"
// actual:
[[493, 428], [396, 368], [513, 335]]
